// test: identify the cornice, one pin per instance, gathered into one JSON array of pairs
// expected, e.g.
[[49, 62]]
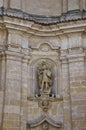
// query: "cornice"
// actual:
[[46, 20], [13, 19]]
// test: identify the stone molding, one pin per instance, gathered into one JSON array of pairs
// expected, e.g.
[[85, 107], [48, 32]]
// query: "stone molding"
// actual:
[[42, 119], [46, 20], [57, 98], [45, 102]]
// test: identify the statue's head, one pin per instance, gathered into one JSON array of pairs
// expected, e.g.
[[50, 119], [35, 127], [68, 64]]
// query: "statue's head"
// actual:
[[44, 65]]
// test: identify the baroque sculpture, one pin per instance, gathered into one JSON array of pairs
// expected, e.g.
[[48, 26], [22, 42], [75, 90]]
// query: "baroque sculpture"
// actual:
[[44, 78]]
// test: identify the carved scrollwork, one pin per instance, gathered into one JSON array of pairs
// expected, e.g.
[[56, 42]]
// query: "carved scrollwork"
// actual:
[[45, 121], [45, 105]]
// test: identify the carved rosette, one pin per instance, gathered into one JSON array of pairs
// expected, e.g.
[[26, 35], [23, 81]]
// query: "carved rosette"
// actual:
[[45, 105]]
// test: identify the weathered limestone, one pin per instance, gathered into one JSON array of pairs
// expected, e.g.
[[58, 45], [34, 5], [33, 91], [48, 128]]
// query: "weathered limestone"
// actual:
[[13, 88], [45, 7], [73, 4], [2, 87], [26, 41], [1, 3], [15, 4]]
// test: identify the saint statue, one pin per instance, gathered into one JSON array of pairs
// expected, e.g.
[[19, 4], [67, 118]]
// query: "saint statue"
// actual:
[[44, 78]]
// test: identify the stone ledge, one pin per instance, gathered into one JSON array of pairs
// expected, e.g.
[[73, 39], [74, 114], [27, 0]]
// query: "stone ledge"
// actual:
[[46, 20], [57, 98]]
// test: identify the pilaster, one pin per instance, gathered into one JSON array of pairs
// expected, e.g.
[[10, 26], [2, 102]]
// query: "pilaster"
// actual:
[[77, 89], [12, 96], [66, 95], [24, 88], [2, 86]]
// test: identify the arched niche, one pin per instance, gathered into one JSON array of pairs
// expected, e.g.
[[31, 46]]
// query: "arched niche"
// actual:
[[33, 88]]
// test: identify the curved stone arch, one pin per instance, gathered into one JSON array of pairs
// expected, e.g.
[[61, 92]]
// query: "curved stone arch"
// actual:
[[43, 119], [54, 70], [50, 44], [45, 47], [45, 43], [38, 60]]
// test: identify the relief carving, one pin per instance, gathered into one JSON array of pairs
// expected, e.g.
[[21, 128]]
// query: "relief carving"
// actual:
[[45, 126], [44, 122], [44, 78], [45, 104]]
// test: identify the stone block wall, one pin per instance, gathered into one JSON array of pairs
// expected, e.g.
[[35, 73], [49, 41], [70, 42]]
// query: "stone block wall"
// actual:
[[44, 7], [24, 45]]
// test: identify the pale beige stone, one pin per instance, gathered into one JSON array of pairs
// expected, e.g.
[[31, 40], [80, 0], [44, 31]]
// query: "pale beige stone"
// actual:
[[73, 4], [1, 3], [24, 45], [15, 4], [45, 7]]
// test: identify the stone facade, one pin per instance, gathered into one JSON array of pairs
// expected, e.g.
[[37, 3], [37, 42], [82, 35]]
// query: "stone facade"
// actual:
[[26, 41], [44, 7]]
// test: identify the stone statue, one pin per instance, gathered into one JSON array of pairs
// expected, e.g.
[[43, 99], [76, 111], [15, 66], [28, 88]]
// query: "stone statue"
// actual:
[[44, 77]]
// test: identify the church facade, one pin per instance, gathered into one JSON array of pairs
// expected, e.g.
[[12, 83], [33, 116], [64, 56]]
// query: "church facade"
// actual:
[[42, 64]]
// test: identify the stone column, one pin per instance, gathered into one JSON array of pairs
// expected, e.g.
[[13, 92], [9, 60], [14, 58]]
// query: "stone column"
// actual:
[[12, 101], [65, 6], [73, 5], [2, 86], [6, 3], [83, 4], [78, 90], [24, 89], [23, 5], [66, 95]]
